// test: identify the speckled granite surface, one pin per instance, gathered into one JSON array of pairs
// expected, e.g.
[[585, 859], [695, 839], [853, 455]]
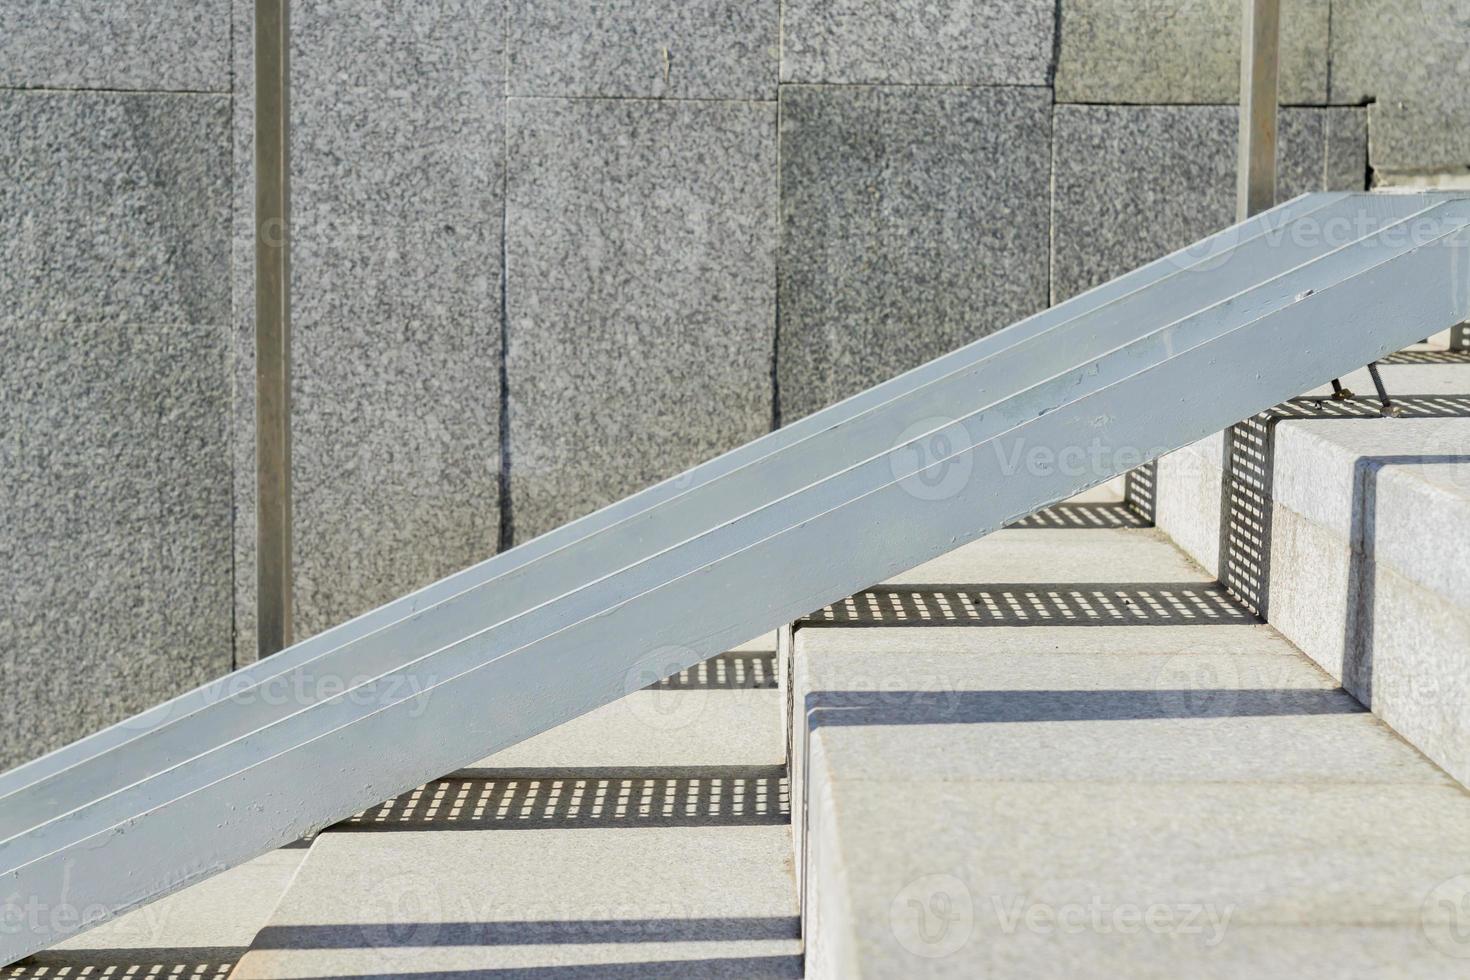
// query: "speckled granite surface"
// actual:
[[151, 45], [398, 147], [114, 459], [641, 246], [1181, 51], [678, 49], [918, 42], [1412, 59], [913, 221], [114, 207], [115, 583], [1133, 183]]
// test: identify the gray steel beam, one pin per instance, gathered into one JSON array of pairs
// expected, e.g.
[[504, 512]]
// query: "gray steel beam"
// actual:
[[273, 325], [793, 459], [618, 527], [244, 706]]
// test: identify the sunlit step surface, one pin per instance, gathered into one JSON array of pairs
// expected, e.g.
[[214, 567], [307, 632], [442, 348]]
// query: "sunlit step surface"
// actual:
[[1152, 798]]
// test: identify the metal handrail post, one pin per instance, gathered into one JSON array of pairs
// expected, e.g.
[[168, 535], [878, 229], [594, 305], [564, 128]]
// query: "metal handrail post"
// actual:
[[1255, 188], [272, 326]]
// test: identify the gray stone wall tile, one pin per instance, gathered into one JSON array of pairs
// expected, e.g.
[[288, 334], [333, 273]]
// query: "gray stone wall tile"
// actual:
[[640, 294], [115, 536], [1412, 60], [1133, 183], [114, 395], [398, 148], [688, 49], [1181, 51], [918, 42], [1346, 152], [914, 220], [113, 207], [1301, 156], [148, 45]]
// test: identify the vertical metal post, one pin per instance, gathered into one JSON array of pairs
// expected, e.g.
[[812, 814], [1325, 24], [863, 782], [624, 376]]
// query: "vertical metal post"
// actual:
[[1255, 188], [272, 326], [1255, 191]]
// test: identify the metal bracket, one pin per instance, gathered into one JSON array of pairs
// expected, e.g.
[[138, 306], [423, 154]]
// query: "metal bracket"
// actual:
[[1386, 407]]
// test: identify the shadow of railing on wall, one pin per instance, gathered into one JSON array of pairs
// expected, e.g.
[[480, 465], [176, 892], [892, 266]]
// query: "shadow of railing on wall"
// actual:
[[1249, 459]]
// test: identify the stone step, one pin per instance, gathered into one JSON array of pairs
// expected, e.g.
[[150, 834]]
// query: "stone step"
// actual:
[[1351, 535], [1366, 556], [650, 838], [1425, 381], [195, 934], [1022, 797]]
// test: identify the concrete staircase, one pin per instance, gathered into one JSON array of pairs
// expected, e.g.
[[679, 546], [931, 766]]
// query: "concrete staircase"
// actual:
[[1064, 750]]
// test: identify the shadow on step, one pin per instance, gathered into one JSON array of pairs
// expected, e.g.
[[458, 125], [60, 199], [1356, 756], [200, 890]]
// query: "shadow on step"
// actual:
[[195, 963], [1249, 467], [742, 967], [548, 932], [1088, 515], [1427, 357], [1362, 579], [844, 708], [562, 799], [739, 671], [1038, 604]]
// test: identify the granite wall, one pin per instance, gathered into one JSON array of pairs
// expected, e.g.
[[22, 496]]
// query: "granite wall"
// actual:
[[115, 468], [1406, 61], [397, 197], [548, 252]]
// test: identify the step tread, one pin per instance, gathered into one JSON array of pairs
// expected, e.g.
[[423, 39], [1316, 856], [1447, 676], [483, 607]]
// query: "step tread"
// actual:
[[716, 899], [964, 775], [650, 838], [197, 933]]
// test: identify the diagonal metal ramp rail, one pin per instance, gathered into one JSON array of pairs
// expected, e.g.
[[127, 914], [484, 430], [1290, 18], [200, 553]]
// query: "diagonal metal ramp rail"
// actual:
[[795, 520]]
